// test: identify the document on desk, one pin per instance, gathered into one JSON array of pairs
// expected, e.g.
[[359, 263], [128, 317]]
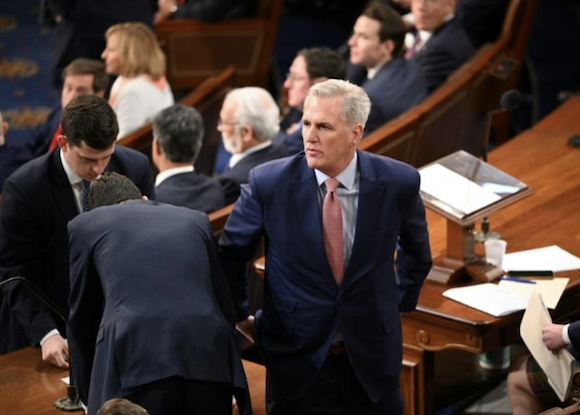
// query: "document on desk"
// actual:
[[549, 258], [458, 192], [557, 366], [551, 290], [489, 298]]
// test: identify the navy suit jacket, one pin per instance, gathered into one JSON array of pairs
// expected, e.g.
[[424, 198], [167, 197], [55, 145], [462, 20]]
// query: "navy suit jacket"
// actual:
[[444, 52], [37, 204], [148, 300], [192, 190], [39, 140], [232, 179], [12, 156], [395, 88], [302, 305]]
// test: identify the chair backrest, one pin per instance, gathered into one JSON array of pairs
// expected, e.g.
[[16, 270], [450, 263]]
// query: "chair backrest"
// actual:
[[207, 99], [517, 25], [196, 50]]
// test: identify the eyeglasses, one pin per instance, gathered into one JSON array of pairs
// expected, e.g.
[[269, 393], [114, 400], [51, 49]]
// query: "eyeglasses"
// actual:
[[221, 123], [294, 78]]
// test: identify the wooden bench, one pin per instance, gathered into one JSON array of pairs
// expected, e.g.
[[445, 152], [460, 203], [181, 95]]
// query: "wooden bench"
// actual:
[[196, 50]]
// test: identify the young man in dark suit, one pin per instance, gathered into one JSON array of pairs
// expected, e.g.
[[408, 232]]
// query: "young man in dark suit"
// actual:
[[151, 317], [392, 83], [177, 139], [39, 199], [331, 218]]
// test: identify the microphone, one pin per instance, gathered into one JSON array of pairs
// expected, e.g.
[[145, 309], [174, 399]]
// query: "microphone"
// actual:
[[71, 402], [509, 101]]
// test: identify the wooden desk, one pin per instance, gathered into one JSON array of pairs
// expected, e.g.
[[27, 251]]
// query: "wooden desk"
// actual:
[[29, 386], [541, 158]]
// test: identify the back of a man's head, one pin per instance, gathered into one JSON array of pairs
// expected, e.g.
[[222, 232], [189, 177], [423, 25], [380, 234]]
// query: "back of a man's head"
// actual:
[[323, 62], [256, 107], [110, 189], [90, 119], [85, 66], [179, 130], [121, 407]]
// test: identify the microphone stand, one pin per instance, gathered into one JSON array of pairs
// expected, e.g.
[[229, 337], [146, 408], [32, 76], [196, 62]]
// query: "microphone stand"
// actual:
[[71, 402]]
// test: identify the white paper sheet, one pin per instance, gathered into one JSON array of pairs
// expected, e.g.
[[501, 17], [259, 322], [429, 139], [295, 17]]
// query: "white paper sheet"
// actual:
[[556, 366], [489, 298], [549, 258], [455, 190], [551, 290]]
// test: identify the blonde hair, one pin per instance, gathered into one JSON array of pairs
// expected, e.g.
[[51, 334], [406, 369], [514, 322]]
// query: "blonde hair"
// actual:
[[139, 50]]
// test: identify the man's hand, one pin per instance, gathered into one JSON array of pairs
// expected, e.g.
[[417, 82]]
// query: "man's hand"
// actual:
[[552, 336], [165, 9], [55, 351]]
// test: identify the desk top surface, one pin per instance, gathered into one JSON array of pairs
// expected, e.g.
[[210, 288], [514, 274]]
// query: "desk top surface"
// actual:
[[542, 158]]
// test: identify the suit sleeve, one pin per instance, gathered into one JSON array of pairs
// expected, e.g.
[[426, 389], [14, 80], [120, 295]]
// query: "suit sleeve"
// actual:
[[413, 253], [86, 305], [21, 254], [436, 66], [238, 242]]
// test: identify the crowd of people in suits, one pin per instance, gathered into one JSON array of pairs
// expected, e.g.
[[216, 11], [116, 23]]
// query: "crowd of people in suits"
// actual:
[[324, 328]]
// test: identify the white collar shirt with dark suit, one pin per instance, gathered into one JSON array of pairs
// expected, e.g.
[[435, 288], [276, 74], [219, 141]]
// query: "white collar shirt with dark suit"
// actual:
[[302, 305], [38, 202], [167, 309]]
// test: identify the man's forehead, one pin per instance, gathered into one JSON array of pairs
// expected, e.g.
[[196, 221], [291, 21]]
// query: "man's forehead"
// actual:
[[323, 108], [85, 150]]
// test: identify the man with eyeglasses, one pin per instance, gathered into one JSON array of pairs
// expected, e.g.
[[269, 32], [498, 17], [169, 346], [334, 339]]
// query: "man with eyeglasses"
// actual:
[[438, 43], [310, 66], [392, 83], [248, 122]]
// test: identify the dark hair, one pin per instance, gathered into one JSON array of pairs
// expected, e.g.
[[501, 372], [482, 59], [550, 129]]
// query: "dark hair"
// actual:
[[90, 119], [179, 130], [84, 66], [391, 27], [323, 63], [112, 188], [119, 406]]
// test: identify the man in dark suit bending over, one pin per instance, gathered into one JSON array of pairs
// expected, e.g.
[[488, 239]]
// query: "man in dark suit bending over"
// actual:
[[151, 316], [177, 139], [39, 199], [332, 218]]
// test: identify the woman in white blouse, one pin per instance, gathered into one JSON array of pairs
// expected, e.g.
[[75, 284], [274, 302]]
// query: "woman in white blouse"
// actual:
[[141, 89]]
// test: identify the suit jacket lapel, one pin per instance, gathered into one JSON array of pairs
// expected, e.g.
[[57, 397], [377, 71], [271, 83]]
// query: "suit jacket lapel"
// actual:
[[370, 200], [63, 193], [304, 189]]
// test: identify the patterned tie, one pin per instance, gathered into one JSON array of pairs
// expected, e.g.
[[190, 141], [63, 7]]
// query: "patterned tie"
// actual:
[[85, 195], [332, 230], [413, 49]]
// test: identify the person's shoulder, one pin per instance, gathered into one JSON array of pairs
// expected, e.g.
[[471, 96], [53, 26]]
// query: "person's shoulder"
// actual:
[[126, 154], [34, 171], [278, 167], [387, 164]]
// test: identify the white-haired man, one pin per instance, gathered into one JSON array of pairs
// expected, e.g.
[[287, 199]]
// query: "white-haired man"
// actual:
[[249, 120]]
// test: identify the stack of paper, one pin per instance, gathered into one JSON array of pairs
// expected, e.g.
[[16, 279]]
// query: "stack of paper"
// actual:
[[489, 298], [550, 258]]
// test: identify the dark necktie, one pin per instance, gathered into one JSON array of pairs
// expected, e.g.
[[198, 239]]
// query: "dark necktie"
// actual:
[[413, 50], [332, 230], [85, 195]]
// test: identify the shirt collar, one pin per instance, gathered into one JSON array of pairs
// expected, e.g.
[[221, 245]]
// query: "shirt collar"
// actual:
[[346, 177], [373, 71], [166, 174], [237, 157], [73, 177]]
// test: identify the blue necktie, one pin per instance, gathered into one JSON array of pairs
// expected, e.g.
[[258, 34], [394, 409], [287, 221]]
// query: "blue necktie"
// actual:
[[85, 195]]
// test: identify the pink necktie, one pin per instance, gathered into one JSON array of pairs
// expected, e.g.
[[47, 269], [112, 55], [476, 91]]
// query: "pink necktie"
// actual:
[[332, 230]]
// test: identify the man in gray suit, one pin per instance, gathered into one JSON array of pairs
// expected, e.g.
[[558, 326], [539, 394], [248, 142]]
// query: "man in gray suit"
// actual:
[[151, 318]]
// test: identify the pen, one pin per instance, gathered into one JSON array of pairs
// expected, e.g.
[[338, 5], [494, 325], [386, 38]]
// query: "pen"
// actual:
[[547, 274], [517, 280]]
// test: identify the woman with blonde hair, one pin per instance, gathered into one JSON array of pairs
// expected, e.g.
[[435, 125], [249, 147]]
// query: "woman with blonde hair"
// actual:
[[141, 89]]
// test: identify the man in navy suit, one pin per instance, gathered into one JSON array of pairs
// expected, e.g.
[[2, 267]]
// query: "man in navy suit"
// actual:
[[528, 387], [151, 318], [177, 138], [439, 44], [393, 83], [309, 67], [330, 330], [248, 122], [81, 76], [39, 199]]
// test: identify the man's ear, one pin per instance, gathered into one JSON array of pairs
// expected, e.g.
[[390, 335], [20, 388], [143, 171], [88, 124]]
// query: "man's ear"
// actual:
[[357, 133], [247, 133], [157, 147], [388, 46], [62, 142]]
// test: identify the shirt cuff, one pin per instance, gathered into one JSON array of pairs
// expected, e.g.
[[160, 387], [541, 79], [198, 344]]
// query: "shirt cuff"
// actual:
[[49, 334], [565, 335]]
